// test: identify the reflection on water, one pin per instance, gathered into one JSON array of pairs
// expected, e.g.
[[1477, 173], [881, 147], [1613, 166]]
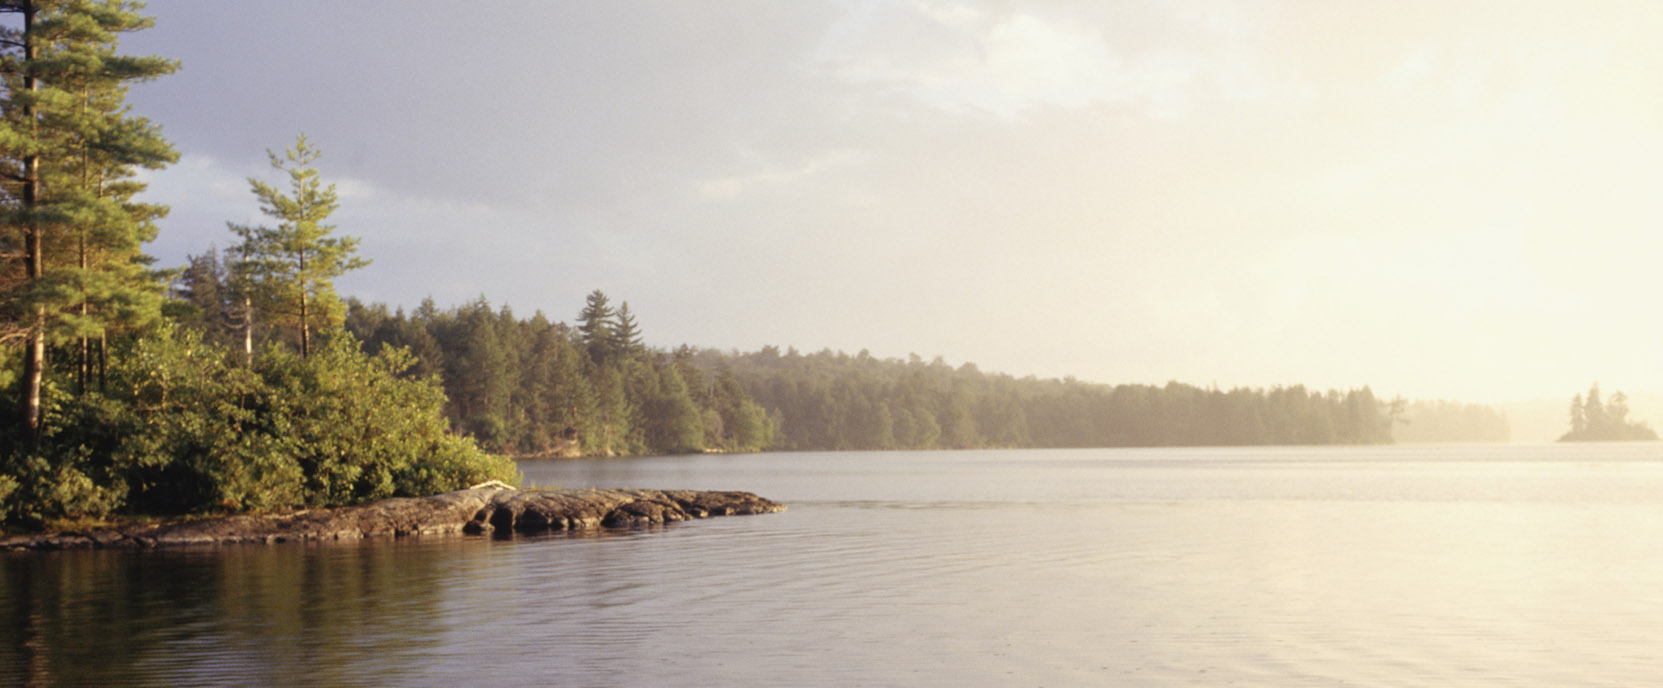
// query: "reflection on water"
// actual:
[[1398, 566], [269, 615]]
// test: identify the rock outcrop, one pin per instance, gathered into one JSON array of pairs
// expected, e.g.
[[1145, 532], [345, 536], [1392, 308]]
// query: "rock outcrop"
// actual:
[[479, 510]]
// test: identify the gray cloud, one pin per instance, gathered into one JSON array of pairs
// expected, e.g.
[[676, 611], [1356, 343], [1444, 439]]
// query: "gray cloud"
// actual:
[[1244, 192]]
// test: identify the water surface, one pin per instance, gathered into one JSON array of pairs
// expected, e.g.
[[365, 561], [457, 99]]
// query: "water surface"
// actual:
[[1492, 565]]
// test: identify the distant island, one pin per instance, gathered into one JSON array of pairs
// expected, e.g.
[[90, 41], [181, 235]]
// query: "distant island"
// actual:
[[1596, 421]]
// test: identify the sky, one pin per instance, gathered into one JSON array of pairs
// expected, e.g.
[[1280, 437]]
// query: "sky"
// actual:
[[1436, 199]]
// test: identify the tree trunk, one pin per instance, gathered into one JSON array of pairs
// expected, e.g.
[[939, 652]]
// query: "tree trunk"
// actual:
[[103, 362], [305, 318], [305, 328], [83, 371], [34, 355], [248, 332]]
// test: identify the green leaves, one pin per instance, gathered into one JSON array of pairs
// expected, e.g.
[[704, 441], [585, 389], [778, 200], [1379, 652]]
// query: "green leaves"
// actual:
[[69, 147], [183, 429], [289, 269]]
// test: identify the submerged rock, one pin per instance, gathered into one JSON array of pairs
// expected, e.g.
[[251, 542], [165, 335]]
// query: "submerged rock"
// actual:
[[483, 509]]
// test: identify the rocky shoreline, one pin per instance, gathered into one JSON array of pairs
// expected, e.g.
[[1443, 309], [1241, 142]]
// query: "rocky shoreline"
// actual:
[[478, 510]]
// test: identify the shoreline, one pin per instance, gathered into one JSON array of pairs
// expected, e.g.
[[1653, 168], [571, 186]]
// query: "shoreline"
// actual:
[[480, 510]]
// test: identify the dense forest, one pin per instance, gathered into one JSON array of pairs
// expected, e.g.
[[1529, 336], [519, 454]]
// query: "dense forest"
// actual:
[[1593, 420], [832, 400], [530, 386]]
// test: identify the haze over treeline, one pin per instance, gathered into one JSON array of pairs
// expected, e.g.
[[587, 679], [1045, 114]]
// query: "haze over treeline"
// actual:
[[534, 386], [1442, 200]]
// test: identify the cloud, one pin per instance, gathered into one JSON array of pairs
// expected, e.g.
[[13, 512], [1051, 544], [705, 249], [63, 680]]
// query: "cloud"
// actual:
[[730, 187], [962, 58], [416, 242]]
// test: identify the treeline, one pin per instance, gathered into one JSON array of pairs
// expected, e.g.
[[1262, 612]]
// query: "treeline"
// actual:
[[531, 386], [1449, 421], [833, 400], [536, 387], [1594, 420]]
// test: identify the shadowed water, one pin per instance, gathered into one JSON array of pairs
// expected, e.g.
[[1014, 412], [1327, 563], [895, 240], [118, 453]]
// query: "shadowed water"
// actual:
[[1359, 566]]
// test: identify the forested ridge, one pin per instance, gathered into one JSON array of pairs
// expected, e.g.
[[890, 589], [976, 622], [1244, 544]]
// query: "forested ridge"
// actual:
[[532, 386]]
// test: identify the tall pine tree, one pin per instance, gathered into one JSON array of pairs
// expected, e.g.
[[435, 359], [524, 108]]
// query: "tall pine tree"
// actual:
[[71, 232], [594, 325], [626, 335], [291, 267]]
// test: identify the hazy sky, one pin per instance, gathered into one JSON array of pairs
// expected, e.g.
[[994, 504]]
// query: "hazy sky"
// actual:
[[1439, 199]]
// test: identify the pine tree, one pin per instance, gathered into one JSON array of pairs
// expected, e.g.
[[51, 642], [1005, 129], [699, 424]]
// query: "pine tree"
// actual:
[[594, 325], [1593, 421], [626, 335], [69, 148], [292, 266], [202, 288]]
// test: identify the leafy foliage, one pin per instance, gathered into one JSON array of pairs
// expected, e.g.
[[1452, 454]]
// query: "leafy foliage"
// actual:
[[288, 271], [71, 229], [181, 429], [535, 387]]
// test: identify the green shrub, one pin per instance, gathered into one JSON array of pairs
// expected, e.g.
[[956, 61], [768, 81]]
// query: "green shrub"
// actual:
[[180, 428]]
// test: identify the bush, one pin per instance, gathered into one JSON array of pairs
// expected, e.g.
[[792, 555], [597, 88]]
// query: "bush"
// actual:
[[179, 429]]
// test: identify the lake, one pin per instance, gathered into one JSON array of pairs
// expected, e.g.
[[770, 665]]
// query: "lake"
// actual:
[[1411, 565]]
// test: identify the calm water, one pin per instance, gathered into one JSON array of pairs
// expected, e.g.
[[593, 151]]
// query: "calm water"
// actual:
[[1497, 565]]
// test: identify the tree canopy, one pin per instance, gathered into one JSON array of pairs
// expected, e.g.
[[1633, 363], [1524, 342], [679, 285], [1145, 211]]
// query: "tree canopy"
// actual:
[[129, 402], [1594, 420], [289, 270], [71, 229]]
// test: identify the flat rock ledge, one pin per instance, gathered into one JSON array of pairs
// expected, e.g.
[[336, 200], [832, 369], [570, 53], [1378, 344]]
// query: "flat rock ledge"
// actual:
[[474, 511]]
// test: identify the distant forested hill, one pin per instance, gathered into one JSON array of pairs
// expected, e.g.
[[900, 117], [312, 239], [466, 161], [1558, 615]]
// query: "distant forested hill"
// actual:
[[534, 386], [831, 400], [1449, 421]]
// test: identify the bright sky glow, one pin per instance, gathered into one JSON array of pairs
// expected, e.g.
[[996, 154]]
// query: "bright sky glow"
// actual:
[[1457, 200]]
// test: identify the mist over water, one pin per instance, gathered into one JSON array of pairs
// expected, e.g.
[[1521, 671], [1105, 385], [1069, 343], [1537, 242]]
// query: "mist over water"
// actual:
[[1470, 565]]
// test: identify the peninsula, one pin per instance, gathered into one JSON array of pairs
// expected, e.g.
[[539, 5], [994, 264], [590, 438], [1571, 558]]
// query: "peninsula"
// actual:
[[484, 509]]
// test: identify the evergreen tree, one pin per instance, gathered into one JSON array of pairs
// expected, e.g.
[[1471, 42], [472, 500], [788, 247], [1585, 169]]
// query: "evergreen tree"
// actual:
[[625, 336], [672, 423], [203, 299], [291, 267], [614, 415], [69, 147], [1594, 421], [1593, 412], [594, 324], [480, 376]]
